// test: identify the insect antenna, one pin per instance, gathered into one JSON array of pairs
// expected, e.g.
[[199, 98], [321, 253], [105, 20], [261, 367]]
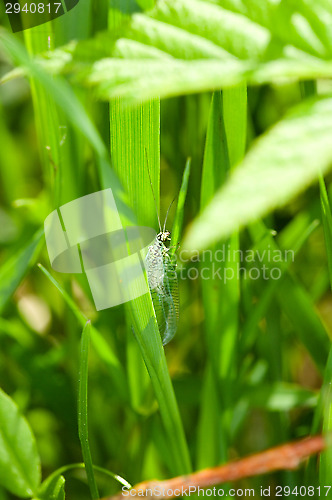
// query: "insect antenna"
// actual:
[[154, 198], [168, 212]]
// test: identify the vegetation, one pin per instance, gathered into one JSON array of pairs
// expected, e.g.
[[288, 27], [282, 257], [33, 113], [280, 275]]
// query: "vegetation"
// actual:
[[227, 106]]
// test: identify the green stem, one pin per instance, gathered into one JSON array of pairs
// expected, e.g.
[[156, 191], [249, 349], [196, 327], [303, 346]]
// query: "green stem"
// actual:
[[83, 411]]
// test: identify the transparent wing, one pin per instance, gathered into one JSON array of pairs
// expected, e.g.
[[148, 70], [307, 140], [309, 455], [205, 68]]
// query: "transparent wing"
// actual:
[[163, 283]]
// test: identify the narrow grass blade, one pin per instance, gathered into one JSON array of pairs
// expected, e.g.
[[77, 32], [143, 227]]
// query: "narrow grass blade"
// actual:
[[250, 326], [216, 158], [99, 343], [324, 408], [13, 162], [73, 109], [327, 224], [13, 271], [52, 126], [79, 315], [134, 151], [225, 143], [271, 174], [134, 139], [212, 439], [235, 117], [46, 486], [210, 446], [154, 357], [83, 411], [178, 221], [295, 301]]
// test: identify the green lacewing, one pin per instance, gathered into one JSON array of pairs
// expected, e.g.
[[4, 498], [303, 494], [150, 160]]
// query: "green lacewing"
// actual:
[[162, 279]]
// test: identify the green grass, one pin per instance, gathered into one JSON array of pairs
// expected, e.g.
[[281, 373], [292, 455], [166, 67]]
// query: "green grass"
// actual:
[[190, 92], [83, 426]]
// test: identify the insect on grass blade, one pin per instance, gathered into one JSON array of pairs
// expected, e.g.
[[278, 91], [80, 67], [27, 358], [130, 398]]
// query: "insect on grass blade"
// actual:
[[162, 279], [163, 284]]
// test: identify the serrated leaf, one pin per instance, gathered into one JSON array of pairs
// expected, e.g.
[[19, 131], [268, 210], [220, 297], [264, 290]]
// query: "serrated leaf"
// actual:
[[234, 33], [19, 459], [282, 163], [188, 46]]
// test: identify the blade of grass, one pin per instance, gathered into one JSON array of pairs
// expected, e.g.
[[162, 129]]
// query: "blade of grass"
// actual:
[[60, 145], [73, 109], [271, 174], [140, 311], [225, 144], [212, 439], [153, 354], [248, 332], [134, 139], [295, 301], [14, 163], [99, 343], [324, 408], [327, 224], [210, 444], [67, 468], [15, 268], [83, 430], [178, 220]]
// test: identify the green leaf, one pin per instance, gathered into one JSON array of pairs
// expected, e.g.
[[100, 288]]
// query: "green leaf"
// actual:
[[19, 459], [282, 163], [198, 45], [301, 24], [234, 33], [13, 271], [216, 158], [74, 110], [134, 139], [293, 298]]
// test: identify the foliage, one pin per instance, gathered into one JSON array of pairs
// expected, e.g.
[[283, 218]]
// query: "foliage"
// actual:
[[249, 102]]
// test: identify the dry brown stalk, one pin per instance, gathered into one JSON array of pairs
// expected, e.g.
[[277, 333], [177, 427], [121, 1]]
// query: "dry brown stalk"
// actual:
[[285, 457]]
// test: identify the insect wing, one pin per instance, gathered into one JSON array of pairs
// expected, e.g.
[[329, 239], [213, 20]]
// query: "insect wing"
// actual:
[[163, 284]]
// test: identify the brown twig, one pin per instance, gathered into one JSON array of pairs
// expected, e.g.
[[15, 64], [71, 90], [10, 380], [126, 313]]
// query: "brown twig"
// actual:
[[285, 457]]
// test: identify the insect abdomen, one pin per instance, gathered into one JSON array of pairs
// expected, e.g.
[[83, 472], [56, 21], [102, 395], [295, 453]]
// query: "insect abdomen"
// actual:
[[162, 279]]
